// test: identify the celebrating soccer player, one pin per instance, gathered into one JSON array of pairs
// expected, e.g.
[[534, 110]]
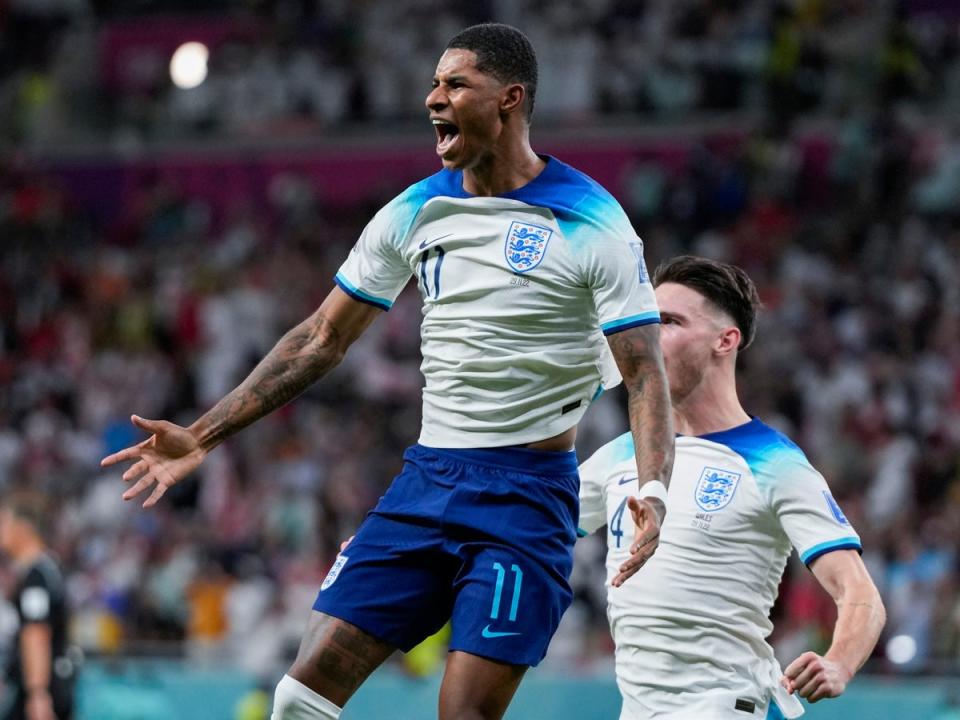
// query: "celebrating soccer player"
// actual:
[[524, 265], [690, 634]]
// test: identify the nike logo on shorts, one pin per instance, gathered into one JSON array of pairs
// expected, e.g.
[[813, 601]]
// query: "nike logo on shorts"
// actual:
[[625, 480], [488, 633], [425, 243]]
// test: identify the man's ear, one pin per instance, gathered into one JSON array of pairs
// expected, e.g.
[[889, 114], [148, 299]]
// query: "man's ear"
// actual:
[[514, 96], [728, 340]]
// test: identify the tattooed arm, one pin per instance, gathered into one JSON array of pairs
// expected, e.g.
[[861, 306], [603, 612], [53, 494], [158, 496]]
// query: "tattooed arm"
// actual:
[[637, 352], [301, 357]]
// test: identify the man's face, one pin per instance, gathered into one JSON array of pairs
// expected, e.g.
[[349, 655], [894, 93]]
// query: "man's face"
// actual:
[[691, 328], [464, 107], [8, 533]]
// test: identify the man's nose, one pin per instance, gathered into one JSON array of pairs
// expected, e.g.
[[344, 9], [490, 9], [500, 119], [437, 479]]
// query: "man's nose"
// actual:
[[436, 99]]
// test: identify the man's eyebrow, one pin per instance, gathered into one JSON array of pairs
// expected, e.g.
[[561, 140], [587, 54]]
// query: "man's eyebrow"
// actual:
[[452, 78]]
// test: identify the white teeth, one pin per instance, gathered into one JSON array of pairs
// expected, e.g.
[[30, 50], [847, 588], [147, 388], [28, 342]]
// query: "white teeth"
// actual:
[[441, 122]]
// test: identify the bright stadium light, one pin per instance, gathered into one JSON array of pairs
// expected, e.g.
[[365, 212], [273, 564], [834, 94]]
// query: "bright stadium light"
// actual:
[[901, 649], [188, 66]]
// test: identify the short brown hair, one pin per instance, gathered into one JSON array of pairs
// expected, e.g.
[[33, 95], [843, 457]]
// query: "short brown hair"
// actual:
[[31, 507], [725, 286]]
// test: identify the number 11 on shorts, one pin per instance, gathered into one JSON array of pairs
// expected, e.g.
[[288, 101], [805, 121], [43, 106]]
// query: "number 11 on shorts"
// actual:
[[498, 591]]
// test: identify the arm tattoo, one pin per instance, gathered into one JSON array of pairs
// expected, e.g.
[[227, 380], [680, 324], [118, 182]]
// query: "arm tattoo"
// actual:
[[301, 357], [637, 352]]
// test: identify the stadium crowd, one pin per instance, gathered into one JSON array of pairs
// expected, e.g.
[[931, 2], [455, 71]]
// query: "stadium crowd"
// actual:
[[164, 304], [77, 69]]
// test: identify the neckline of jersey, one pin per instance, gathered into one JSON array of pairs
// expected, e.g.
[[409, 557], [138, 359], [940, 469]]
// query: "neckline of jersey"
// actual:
[[752, 425], [552, 167]]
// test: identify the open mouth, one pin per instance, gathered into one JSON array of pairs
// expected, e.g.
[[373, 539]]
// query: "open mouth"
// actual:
[[447, 134]]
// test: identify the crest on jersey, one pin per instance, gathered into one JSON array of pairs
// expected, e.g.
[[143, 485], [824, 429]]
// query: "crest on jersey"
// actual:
[[334, 572], [525, 245], [715, 488]]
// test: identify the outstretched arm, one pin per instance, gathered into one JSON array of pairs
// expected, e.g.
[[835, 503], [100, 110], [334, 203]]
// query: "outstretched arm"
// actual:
[[860, 618], [301, 357], [637, 352]]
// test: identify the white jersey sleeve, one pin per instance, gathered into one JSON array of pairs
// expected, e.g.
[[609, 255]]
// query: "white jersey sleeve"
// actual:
[[375, 271], [806, 510], [616, 273]]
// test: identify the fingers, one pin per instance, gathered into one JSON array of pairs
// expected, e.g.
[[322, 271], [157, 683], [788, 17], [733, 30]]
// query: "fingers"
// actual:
[[155, 496], [138, 487], [797, 666], [135, 470], [129, 453], [151, 426], [641, 551]]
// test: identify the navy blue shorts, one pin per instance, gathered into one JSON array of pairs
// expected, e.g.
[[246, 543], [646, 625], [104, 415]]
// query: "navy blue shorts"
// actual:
[[483, 538]]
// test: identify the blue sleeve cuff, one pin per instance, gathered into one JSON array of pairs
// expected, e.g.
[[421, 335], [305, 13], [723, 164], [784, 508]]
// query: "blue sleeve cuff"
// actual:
[[360, 295], [615, 326], [847, 543]]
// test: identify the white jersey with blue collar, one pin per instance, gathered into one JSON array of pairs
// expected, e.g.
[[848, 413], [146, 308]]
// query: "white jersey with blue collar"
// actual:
[[518, 292], [690, 627]]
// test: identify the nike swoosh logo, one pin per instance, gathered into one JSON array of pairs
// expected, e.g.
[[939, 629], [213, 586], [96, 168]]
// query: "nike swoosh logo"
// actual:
[[427, 243], [488, 633], [625, 480]]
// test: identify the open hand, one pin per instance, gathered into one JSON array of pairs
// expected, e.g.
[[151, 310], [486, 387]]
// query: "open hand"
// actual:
[[814, 677], [163, 459], [645, 540]]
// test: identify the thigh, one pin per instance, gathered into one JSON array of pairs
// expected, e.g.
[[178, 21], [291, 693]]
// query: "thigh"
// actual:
[[507, 604], [394, 581], [475, 688], [335, 657]]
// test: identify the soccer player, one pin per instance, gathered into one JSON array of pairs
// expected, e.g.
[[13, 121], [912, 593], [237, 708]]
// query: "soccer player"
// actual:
[[524, 265], [689, 629], [40, 672]]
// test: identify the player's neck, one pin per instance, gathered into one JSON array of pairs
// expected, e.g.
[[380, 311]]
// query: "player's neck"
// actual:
[[711, 407], [509, 166]]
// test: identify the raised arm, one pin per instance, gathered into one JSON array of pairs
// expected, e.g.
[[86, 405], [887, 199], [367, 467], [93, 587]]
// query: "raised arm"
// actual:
[[860, 619], [301, 357], [637, 352]]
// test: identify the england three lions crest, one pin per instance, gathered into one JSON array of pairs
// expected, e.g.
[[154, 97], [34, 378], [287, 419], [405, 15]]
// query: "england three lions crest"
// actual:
[[715, 488], [525, 246]]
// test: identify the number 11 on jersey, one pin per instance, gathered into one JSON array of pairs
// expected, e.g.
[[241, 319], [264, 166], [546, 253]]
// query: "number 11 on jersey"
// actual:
[[424, 259]]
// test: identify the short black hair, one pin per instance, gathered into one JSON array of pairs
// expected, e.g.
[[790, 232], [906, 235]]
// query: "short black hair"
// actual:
[[503, 52], [725, 286]]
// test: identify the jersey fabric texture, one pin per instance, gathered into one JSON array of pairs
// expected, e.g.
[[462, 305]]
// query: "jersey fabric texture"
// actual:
[[483, 538], [40, 597], [518, 291], [690, 627]]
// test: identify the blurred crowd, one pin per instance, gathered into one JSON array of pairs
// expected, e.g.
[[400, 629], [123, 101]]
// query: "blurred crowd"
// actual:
[[81, 69], [162, 305]]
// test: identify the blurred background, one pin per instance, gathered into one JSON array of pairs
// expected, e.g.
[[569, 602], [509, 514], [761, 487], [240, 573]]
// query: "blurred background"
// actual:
[[179, 181]]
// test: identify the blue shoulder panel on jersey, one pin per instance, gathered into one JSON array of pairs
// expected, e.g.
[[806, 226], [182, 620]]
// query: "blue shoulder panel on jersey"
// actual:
[[760, 445], [846, 543], [576, 200], [407, 204]]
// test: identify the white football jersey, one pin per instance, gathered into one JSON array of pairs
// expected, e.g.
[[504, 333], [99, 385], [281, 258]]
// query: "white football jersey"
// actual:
[[690, 626], [518, 292]]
